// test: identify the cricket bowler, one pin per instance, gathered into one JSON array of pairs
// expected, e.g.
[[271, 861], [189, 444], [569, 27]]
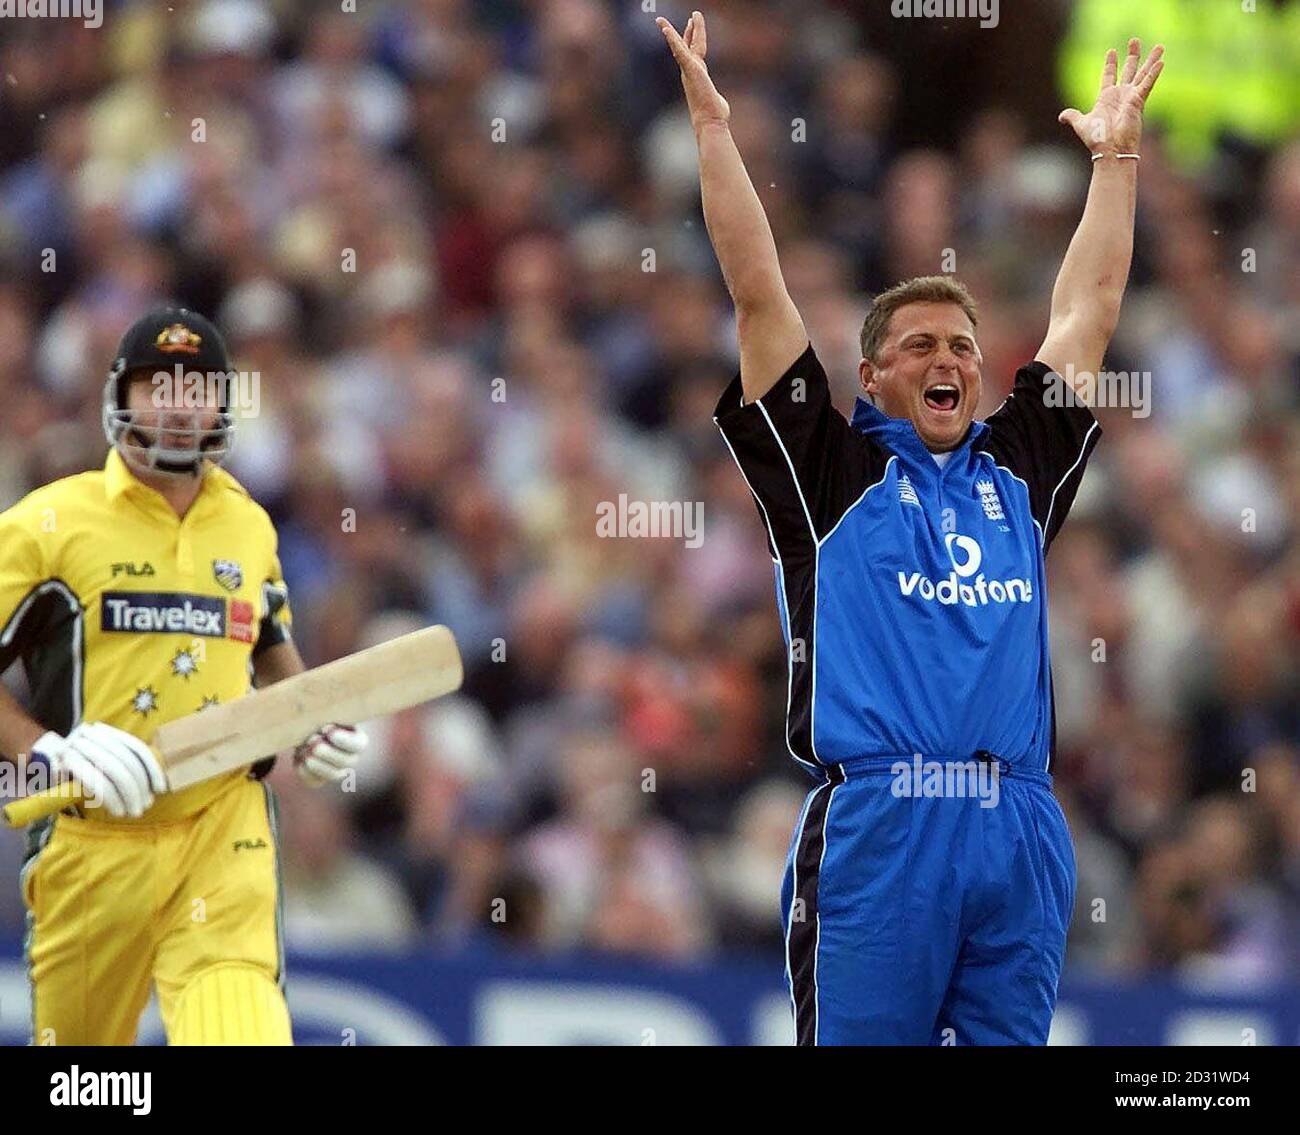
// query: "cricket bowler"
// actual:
[[908, 548], [134, 595]]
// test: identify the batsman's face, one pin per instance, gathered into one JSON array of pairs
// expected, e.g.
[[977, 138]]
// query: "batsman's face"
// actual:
[[928, 370], [160, 412]]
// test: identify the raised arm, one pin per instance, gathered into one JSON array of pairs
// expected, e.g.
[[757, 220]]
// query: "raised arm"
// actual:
[[1090, 286], [771, 332]]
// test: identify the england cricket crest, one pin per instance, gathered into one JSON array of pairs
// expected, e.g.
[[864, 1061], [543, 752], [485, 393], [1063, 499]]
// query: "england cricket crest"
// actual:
[[989, 499], [229, 574]]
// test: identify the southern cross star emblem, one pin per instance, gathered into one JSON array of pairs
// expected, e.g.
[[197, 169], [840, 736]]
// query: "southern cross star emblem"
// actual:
[[184, 663], [145, 701]]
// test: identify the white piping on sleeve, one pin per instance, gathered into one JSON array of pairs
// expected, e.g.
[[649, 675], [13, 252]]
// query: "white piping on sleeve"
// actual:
[[785, 604], [812, 531], [1047, 523]]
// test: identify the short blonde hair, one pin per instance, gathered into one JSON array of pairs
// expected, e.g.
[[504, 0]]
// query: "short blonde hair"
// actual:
[[920, 289]]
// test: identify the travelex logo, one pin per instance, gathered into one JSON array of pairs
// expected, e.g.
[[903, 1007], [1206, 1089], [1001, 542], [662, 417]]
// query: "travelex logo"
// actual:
[[966, 556], [163, 611], [175, 612]]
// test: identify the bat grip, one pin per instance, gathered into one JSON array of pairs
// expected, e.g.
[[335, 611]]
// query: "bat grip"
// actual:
[[28, 809]]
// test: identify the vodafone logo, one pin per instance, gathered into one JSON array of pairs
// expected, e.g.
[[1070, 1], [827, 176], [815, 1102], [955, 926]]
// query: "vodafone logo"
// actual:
[[966, 557], [967, 563]]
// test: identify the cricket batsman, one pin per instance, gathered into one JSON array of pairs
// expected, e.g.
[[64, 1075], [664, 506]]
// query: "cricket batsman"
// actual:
[[908, 548], [134, 595]]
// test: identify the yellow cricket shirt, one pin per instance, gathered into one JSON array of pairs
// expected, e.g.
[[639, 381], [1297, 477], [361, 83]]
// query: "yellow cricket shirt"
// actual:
[[126, 613]]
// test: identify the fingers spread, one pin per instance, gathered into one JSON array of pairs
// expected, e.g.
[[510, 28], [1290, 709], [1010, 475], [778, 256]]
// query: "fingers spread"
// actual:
[[675, 44], [1150, 70], [1108, 71], [1131, 62], [1144, 88]]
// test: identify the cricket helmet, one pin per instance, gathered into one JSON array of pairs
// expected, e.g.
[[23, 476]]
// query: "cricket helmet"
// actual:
[[155, 344]]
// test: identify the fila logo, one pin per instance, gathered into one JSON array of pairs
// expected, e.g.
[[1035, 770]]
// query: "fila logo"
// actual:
[[250, 844], [145, 568]]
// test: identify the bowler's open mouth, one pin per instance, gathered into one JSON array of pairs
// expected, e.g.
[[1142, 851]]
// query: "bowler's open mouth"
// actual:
[[943, 396]]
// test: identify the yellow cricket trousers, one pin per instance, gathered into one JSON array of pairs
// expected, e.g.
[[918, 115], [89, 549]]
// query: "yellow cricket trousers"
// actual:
[[191, 906]]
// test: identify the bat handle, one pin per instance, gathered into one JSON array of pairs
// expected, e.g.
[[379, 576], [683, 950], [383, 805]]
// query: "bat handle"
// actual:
[[28, 809]]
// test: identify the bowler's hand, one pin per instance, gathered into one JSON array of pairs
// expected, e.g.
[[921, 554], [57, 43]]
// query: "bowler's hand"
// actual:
[[1114, 125], [689, 49]]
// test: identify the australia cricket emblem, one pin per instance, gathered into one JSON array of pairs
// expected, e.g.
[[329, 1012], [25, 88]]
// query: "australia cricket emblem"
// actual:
[[178, 337], [229, 574]]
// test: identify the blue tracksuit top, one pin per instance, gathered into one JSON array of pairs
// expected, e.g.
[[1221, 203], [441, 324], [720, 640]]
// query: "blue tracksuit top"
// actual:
[[912, 597]]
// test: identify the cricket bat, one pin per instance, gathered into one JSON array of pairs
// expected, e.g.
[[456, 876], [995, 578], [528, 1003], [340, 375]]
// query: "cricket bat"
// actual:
[[380, 680]]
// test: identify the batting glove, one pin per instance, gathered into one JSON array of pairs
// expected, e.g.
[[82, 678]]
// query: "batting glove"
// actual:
[[328, 754], [117, 770]]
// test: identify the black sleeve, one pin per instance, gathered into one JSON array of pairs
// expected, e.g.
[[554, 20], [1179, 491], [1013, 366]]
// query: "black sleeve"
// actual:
[[1044, 435], [261, 769], [803, 462], [274, 627]]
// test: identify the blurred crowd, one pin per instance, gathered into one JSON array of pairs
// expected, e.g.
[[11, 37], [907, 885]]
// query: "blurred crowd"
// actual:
[[461, 243]]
